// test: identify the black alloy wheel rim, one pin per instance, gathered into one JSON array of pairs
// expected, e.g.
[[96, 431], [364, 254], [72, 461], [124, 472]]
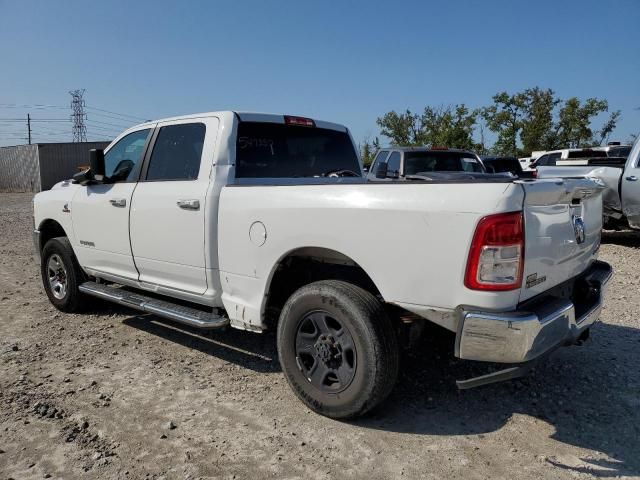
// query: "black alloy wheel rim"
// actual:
[[325, 352]]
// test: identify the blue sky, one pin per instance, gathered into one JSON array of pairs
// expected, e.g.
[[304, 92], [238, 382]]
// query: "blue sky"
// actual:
[[348, 62]]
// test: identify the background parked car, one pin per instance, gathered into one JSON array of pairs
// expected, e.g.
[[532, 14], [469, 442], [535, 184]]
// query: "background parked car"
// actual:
[[402, 162], [547, 159], [618, 176]]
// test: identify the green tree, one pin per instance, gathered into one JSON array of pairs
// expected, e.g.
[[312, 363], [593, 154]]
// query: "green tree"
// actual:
[[450, 126], [537, 125], [573, 129], [505, 117], [369, 150], [402, 128], [536, 119], [608, 127]]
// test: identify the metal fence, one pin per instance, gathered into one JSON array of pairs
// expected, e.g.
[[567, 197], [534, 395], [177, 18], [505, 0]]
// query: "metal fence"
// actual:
[[19, 169], [32, 168], [59, 161]]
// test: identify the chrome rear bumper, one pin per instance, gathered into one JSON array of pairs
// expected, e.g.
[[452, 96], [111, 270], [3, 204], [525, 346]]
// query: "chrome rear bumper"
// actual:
[[526, 334]]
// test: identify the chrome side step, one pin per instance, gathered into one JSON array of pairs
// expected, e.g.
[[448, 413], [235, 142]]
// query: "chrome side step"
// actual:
[[178, 313]]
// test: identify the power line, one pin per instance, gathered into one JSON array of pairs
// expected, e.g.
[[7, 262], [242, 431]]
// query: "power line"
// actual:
[[116, 113], [37, 105], [113, 117], [100, 127], [34, 119], [100, 132], [107, 123], [22, 135], [45, 106], [78, 116]]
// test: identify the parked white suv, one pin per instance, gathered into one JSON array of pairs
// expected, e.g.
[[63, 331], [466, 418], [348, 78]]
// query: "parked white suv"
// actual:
[[259, 221]]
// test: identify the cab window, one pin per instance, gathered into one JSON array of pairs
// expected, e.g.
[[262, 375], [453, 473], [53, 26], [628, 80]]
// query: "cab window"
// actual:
[[177, 153], [122, 161]]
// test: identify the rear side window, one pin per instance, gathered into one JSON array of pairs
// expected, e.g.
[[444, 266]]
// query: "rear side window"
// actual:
[[177, 152], [553, 158], [273, 150], [548, 160], [543, 161], [587, 154]]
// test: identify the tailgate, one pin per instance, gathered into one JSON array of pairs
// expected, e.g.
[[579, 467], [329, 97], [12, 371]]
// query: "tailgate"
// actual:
[[563, 221]]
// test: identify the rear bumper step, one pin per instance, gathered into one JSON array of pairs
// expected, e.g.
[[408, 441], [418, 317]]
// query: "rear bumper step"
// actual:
[[162, 308]]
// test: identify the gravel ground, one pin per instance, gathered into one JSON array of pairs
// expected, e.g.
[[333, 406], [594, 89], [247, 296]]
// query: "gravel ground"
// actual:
[[112, 394]]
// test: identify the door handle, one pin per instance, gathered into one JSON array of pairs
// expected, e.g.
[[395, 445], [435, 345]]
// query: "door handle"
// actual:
[[118, 202], [189, 204], [632, 178]]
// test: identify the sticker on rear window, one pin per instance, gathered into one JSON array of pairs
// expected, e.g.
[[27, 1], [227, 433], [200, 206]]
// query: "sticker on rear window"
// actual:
[[255, 142]]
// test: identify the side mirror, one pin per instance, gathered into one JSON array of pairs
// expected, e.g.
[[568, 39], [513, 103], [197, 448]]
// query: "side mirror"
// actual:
[[381, 170], [95, 173], [96, 160]]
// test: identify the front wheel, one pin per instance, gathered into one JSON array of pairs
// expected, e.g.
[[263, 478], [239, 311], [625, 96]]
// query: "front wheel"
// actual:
[[337, 348], [61, 275]]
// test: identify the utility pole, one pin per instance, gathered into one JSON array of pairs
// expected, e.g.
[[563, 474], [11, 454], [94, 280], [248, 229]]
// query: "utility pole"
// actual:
[[78, 116], [29, 127]]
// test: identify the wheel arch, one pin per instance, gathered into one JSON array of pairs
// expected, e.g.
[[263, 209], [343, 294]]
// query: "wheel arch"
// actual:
[[304, 265], [49, 228]]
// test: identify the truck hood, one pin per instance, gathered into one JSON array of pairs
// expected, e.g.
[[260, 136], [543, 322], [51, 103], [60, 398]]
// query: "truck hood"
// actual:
[[60, 192], [66, 184]]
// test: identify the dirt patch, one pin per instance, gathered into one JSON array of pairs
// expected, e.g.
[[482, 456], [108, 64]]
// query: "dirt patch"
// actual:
[[112, 394]]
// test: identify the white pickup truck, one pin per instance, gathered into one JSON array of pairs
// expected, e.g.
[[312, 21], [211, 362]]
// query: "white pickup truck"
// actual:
[[264, 221], [620, 178]]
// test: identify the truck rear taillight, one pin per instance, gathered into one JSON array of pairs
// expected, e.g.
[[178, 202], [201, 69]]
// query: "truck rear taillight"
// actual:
[[299, 121], [496, 256]]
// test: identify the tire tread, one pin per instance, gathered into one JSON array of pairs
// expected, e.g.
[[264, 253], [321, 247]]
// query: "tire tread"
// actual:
[[381, 337]]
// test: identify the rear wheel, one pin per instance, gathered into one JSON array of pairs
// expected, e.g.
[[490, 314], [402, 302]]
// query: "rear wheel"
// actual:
[[337, 348], [61, 275]]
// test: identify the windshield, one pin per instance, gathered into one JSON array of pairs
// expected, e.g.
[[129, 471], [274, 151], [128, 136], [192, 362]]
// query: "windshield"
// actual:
[[273, 150], [444, 161]]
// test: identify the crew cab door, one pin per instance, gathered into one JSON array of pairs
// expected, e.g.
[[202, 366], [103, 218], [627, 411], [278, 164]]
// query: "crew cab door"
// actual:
[[168, 206], [100, 213], [630, 187]]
